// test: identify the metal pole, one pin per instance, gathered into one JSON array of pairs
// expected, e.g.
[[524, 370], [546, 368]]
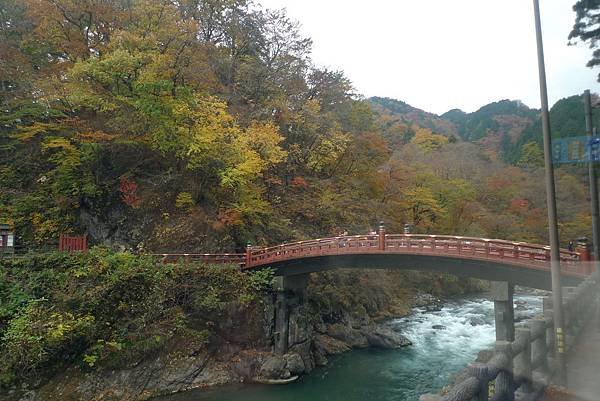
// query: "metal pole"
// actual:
[[551, 201], [587, 99]]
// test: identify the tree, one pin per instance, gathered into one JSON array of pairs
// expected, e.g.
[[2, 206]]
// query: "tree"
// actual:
[[427, 141], [531, 156], [587, 27]]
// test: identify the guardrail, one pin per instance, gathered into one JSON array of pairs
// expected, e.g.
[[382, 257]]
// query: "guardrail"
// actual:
[[518, 253], [522, 368]]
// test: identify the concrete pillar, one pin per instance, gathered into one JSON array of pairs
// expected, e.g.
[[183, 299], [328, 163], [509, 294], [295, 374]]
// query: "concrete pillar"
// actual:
[[286, 289], [502, 294]]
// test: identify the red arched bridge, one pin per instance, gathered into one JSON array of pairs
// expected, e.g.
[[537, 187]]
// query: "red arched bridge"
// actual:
[[488, 259]]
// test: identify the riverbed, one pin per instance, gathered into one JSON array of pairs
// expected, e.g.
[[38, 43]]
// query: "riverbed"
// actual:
[[444, 342]]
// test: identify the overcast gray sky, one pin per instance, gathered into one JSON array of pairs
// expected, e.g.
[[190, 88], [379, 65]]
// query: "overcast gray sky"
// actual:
[[444, 54]]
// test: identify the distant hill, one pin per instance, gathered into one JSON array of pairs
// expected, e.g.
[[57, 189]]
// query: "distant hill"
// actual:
[[501, 127], [567, 119], [398, 121]]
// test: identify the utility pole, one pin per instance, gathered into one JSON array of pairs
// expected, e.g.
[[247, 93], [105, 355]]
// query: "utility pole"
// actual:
[[551, 202], [587, 100]]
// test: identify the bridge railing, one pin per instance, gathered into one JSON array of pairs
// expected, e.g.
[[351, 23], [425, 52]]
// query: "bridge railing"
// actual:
[[466, 247], [525, 365]]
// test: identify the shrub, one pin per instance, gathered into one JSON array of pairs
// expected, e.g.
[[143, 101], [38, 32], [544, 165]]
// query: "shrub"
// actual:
[[105, 309]]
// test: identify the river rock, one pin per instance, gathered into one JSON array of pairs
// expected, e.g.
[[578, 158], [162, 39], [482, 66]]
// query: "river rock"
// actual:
[[424, 299], [245, 365], [477, 321], [347, 334], [384, 337], [439, 327], [294, 363], [274, 367], [320, 359], [300, 328], [326, 345], [320, 327], [305, 351]]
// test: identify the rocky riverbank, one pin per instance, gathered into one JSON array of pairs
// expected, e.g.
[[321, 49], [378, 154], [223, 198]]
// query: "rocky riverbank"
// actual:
[[353, 317]]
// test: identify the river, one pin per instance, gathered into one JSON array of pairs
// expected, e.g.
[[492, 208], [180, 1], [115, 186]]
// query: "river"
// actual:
[[391, 375]]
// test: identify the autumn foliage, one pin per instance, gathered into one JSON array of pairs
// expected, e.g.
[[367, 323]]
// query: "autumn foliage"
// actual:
[[128, 190], [180, 127]]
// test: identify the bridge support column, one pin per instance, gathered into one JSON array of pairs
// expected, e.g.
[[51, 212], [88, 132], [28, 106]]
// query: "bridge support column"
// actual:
[[502, 294], [288, 290]]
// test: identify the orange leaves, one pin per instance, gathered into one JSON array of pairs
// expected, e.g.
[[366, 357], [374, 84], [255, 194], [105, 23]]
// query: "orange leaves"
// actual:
[[228, 218], [519, 206], [128, 190], [299, 183], [96, 137]]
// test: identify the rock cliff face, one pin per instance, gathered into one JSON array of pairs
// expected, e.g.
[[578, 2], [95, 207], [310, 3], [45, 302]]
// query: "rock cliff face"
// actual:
[[316, 333]]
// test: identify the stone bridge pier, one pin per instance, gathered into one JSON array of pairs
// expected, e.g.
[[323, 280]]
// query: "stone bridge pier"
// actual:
[[290, 292]]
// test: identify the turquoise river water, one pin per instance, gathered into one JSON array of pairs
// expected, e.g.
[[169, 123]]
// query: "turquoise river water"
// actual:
[[390, 375]]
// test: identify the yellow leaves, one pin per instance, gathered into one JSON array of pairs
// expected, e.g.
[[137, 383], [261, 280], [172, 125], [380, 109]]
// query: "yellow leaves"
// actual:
[[184, 200], [426, 140], [265, 139], [96, 137], [329, 151], [248, 167], [66, 153], [58, 143], [44, 229], [213, 136], [27, 133]]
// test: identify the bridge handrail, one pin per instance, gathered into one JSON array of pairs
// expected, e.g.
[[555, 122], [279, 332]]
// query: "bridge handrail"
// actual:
[[487, 248]]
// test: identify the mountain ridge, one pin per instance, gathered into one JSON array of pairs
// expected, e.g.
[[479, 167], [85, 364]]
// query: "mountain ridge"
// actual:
[[502, 127]]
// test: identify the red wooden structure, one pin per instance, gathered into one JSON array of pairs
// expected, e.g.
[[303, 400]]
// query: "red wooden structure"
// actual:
[[72, 243], [519, 254]]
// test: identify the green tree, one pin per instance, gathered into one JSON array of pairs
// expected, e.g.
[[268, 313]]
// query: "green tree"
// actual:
[[586, 28], [531, 156]]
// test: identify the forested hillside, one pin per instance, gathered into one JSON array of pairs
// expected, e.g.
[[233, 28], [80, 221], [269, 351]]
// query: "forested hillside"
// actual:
[[203, 125], [506, 129]]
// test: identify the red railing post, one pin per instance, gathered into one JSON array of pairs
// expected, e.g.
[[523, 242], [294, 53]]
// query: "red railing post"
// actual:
[[248, 255], [381, 236]]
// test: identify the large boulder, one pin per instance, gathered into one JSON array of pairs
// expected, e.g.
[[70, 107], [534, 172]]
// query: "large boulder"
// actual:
[[294, 363], [384, 337], [274, 367], [351, 336], [326, 345]]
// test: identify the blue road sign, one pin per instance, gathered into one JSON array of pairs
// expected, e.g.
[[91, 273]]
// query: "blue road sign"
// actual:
[[578, 149]]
